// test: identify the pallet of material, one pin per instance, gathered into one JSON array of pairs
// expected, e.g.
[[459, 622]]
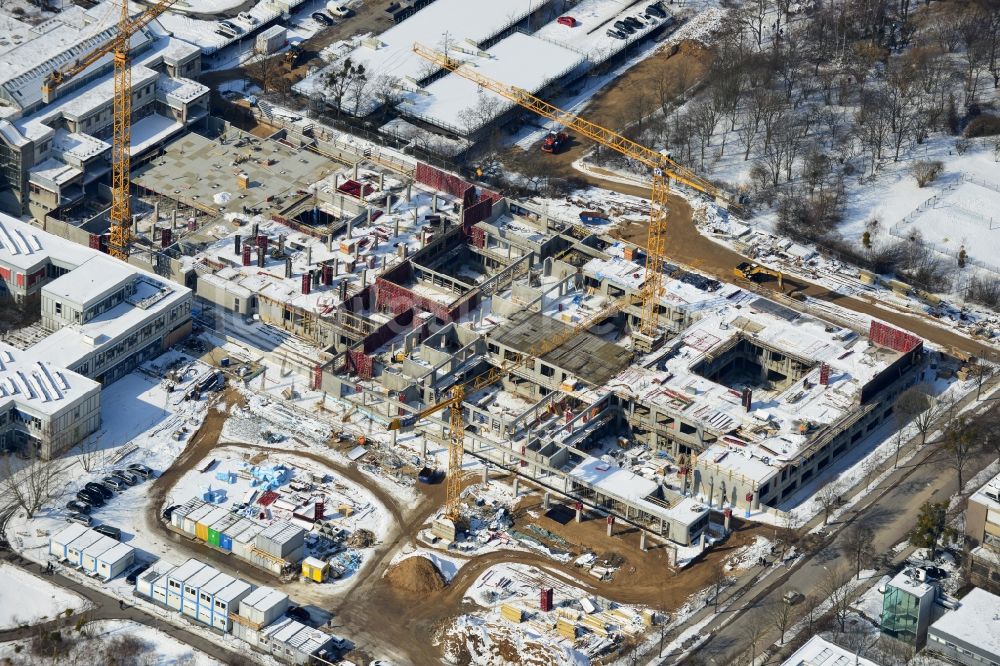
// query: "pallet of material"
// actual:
[[594, 624], [566, 629], [511, 614]]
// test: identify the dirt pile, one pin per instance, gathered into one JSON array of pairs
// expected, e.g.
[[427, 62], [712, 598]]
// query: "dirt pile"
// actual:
[[415, 574]]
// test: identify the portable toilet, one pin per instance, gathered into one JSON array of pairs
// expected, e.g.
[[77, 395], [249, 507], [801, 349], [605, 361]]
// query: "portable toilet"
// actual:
[[315, 569]]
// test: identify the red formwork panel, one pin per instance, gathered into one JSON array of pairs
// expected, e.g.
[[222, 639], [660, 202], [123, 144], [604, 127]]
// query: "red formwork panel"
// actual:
[[478, 237], [95, 242], [317, 377], [360, 363], [893, 338], [441, 180], [476, 213], [356, 189]]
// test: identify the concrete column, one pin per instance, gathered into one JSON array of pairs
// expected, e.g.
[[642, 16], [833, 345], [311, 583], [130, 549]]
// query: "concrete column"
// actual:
[[546, 500], [423, 448], [395, 227], [579, 512], [384, 259], [434, 203], [369, 221], [517, 484], [394, 434], [381, 181], [329, 242], [726, 516], [486, 473], [309, 255], [336, 267], [388, 203], [173, 219], [642, 539], [355, 171], [611, 525], [156, 212], [409, 192], [711, 491], [703, 543]]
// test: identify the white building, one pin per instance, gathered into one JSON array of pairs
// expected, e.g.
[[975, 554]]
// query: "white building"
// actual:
[[821, 652], [970, 634], [54, 153], [91, 551], [256, 611]]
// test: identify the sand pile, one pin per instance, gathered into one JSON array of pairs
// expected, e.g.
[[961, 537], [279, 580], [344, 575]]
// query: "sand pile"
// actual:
[[415, 574]]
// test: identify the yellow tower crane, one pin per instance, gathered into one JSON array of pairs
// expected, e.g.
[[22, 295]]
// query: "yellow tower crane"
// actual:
[[121, 159], [664, 170], [456, 421]]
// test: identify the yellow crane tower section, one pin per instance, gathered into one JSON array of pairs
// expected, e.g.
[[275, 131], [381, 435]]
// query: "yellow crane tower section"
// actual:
[[664, 170], [121, 158]]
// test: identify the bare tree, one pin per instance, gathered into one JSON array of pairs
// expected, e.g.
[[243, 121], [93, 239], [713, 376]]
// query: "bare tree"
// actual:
[[961, 443], [857, 543], [263, 70], [835, 590], [828, 498], [753, 633], [780, 615], [92, 454], [915, 406], [32, 486]]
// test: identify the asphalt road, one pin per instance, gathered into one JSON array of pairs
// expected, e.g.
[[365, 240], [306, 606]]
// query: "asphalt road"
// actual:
[[890, 510]]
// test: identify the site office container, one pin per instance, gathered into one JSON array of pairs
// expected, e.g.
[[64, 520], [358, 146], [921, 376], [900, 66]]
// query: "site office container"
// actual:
[[59, 542], [201, 528], [176, 580], [184, 510], [192, 589], [281, 539], [191, 520], [95, 550], [115, 561], [206, 596], [74, 550], [244, 542], [216, 530]]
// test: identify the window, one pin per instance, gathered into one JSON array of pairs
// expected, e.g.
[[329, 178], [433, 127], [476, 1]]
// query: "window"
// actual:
[[58, 308], [547, 370]]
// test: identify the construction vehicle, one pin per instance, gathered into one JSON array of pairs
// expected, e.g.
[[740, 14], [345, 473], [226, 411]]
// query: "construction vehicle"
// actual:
[[554, 142], [121, 158], [294, 55], [456, 421], [663, 167], [756, 273]]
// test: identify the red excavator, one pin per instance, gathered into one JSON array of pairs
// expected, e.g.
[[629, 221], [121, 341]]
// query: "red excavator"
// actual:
[[554, 142]]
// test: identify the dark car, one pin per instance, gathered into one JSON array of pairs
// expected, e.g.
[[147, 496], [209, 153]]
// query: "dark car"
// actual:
[[114, 482], [656, 10], [77, 517], [127, 477], [322, 18], [90, 498], [109, 531], [78, 506], [100, 489], [624, 27], [299, 613], [169, 511], [617, 34], [133, 575], [634, 22], [936, 573], [141, 470]]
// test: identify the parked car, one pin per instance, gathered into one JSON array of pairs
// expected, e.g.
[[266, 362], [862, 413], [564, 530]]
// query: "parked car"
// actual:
[[656, 10], [634, 22], [622, 26], [320, 17], [226, 32], [78, 506], [109, 531], [568, 21], [141, 470], [130, 479], [617, 34], [78, 517], [338, 10], [114, 482], [100, 489], [248, 18], [133, 575], [169, 511], [232, 26], [792, 597], [90, 497]]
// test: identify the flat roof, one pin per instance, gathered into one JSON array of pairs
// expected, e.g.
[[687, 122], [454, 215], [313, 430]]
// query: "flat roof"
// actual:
[[39, 386], [85, 540], [976, 621], [91, 280], [68, 533], [909, 584], [585, 356], [520, 60], [593, 20], [264, 598], [233, 590], [820, 652], [203, 576], [988, 494], [187, 570], [102, 545], [116, 553], [463, 23]]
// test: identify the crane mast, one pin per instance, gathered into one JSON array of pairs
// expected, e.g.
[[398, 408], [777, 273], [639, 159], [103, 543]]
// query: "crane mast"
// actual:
[[121, 158]]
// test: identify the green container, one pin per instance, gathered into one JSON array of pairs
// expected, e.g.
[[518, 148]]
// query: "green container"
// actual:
[[213, 537]]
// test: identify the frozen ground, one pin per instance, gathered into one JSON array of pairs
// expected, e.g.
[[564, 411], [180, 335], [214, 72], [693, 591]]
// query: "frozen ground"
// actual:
[[26, 599], [106, 639]]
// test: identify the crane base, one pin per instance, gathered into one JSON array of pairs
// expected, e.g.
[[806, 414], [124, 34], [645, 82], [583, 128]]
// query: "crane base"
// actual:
[[645, 343]]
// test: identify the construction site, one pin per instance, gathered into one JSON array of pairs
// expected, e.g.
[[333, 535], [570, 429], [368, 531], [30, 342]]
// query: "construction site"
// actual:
[[341, 377]]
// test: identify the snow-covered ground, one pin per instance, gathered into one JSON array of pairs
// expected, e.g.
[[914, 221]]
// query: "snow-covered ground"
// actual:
[[26, 599], [108, 639], [446, 564]]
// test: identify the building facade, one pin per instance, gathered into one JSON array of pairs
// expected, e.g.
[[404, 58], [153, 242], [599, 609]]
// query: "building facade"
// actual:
[[982, 530], [970, 634]]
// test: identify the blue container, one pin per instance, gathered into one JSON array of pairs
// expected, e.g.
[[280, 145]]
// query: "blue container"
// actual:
[[225, 542]]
